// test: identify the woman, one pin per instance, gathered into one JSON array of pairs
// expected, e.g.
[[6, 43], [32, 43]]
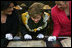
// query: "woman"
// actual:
[[34, 22], [9, 22], [61, 16]]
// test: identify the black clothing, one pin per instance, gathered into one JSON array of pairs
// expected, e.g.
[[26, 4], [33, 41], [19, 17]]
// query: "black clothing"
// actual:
[[11, 26], [33, 25]]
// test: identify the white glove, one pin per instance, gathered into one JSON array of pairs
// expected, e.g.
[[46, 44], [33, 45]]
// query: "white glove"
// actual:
[[17, 37], [40, 36], [27, 36], [9, 36], [52, 38]]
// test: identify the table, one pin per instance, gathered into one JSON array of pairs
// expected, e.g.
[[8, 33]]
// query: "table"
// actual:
[[34, 43], [31, 43]]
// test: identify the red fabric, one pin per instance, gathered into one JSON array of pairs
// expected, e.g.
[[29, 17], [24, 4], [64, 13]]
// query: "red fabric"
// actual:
[[62, 25]]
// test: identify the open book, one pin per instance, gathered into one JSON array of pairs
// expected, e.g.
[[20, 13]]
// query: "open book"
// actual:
[[66, 42]]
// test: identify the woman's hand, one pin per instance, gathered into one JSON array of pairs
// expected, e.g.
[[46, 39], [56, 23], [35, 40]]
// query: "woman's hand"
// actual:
[[27, 36], [9, 36], [52, 38], [40, 36]]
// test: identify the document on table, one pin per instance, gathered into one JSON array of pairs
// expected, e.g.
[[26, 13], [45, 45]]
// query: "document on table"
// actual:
[[33, 43], [66, 42]]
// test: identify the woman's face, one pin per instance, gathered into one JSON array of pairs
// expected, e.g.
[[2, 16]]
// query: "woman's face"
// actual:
[[61, 5], [9, 9], [36, 19]]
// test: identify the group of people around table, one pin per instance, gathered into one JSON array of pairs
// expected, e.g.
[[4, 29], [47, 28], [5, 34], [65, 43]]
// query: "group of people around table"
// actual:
[[34, 22]]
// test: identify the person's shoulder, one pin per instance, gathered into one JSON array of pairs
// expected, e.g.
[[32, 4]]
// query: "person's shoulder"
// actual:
[[14, 12], [54, 9], [24, 14]]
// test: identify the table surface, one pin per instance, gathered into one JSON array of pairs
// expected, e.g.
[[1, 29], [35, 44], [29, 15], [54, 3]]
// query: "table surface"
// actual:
[[35, 43], [31, 43]]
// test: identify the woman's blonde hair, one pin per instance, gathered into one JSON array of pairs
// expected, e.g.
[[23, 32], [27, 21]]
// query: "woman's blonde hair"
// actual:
[[57, 2]]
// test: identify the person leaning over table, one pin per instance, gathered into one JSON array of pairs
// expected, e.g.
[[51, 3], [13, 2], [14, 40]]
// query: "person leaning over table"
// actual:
[[9, 22], [34, 22], [61, 16]]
